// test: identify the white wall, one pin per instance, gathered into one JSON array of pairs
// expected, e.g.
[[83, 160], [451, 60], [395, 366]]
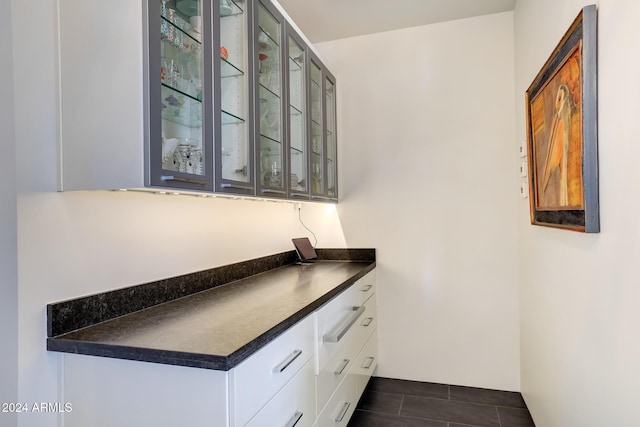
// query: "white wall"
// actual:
[[579, 293], [8, 224], [428, 173], [77, 243]]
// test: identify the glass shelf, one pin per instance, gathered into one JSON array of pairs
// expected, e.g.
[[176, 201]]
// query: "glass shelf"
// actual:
[[231, 119], [267, 43], [181, 108], [227, 69], [230, 8], [266, 94], [176, 35], [295, 64], [294, 110], [269, 139]]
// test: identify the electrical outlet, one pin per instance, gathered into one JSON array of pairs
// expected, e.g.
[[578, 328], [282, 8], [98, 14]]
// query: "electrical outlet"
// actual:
[[298, 206]]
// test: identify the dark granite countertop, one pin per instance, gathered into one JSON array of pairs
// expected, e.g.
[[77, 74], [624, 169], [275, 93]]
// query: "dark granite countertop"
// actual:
[[215, 328]]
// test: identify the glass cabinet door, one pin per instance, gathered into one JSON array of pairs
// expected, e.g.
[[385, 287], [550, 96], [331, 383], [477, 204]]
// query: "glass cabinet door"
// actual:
[[297, 123], [317, 130], [234, 154], [180, 145], [269, 103], [330, 109]]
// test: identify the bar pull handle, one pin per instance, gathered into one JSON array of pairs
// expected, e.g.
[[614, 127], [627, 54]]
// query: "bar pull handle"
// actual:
[[366, 322], [182, 179], [293, 421], [366, 288], [267, 191], [342, 367], [343, 412], [286, 362], [337, 335], [236, 186], [368, 362]]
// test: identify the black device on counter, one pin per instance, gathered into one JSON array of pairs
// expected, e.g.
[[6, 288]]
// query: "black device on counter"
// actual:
[[305, 251]]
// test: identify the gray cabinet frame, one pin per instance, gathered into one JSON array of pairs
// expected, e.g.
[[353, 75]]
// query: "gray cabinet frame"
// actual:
[[212, 181], [223, 185], [155, 175], [297, 194]]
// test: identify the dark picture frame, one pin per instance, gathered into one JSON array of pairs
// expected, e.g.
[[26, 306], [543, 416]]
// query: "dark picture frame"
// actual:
[[562, 132]]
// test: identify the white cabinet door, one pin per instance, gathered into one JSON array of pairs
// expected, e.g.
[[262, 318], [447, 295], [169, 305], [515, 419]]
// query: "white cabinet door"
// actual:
[[108, 392]]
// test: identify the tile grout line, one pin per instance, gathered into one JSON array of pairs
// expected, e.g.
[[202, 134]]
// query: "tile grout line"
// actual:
[[498, 414], [401, 402]]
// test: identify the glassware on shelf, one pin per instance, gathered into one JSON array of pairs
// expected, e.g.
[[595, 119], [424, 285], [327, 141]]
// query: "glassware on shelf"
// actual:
[[181, 77], [270, 108]]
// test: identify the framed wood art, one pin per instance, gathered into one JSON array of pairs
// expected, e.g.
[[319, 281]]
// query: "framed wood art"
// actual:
[[562, 132]]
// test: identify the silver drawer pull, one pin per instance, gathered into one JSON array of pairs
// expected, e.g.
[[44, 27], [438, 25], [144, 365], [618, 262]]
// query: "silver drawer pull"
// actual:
[[181, 179], [342, 367], [366, 322], [343, 412], [336, 336], [286, 362], [366, 288], [368, 362], [293, 421], [236, 186]]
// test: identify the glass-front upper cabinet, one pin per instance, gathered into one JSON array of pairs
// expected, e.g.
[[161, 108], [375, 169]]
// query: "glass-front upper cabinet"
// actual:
[[323, 143], [234, 148], [180, 135], [270, 148], [317, 130], [330, 134], [297, 134]]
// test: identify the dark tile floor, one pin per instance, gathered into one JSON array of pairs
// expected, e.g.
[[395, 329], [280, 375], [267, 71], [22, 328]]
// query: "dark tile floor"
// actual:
[[389, 403]]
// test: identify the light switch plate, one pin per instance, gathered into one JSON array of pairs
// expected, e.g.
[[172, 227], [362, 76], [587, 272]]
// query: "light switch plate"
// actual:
[[524, 190], [523, 148], [523, 169]]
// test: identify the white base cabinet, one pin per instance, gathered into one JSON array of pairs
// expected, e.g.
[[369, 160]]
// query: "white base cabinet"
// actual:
[[311, 376], [106, 392]]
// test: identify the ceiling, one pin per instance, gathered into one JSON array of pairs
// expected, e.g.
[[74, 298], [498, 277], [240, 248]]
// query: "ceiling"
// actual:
[[324, 20]]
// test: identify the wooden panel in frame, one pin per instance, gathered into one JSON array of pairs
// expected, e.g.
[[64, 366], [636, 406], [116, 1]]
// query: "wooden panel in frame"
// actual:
[[562, 132]]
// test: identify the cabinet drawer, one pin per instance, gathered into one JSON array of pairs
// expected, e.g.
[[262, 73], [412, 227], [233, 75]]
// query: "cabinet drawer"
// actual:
[[257, 379], [343, 353], [293, 405], [365, 364], [367, 323], [366, 287], [336, 322], [340, 407]]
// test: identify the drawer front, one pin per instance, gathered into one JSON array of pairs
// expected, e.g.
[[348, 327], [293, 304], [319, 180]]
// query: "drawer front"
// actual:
[[293, 405], [257, 379], [340, 407], [367, 323], [343, 354], [366, 287], [365, 364], [336, 322]]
